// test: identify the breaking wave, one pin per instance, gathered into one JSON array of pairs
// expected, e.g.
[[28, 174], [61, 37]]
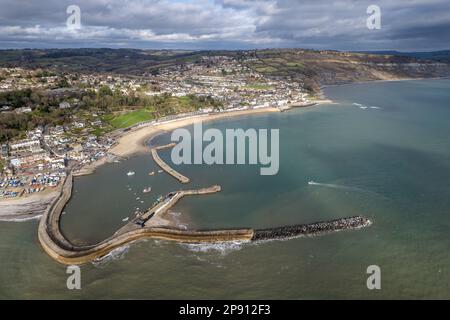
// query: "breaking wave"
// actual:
[[175, 214], [221, 247], [21, 219], [116, 254]]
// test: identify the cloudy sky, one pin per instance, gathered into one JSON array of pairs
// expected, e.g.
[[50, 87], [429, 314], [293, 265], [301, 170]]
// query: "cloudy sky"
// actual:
[[406, 25]]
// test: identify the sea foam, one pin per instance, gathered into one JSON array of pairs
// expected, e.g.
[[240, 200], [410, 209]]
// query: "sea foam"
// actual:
[[115, 254], [220, 247], [6, 219]]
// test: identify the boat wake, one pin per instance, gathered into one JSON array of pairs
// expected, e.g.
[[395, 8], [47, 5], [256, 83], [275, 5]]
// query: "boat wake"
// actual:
[[364, 107], [336, 186]]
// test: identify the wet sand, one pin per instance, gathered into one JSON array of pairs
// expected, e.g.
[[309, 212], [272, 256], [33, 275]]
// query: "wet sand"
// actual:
[[26, 207]]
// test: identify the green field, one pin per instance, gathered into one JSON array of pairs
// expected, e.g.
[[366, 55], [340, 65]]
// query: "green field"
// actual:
[[130, 118]]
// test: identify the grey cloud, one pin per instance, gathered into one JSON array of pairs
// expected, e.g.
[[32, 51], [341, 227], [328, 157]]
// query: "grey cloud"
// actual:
[[227, 24]]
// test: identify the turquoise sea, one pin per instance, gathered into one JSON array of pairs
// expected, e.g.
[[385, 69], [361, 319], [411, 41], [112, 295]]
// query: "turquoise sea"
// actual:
[[382, 150]]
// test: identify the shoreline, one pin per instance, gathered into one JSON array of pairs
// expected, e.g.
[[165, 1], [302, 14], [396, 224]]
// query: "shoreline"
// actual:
[[128, 143], [27, 207], [135, 141]]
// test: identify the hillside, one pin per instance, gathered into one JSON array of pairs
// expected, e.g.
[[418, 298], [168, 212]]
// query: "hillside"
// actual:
[[318, 68], [314, 68]]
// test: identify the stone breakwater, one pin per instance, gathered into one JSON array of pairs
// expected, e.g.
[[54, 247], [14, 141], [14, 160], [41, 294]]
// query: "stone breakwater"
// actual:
[[311, 229]]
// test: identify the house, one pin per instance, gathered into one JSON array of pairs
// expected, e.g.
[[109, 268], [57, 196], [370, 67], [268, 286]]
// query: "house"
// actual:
[[23, 110], [6, 108], [27, 145], [78, 124], [64, 105], [4, 151]]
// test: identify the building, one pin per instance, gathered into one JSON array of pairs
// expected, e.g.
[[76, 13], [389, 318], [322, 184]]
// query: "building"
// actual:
[[25, 145], [4, 151], [64, 105], [23, 110], [30, 159]]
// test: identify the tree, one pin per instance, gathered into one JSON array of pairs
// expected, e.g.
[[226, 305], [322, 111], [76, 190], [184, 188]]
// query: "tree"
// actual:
[[63, 83], [104, 91]]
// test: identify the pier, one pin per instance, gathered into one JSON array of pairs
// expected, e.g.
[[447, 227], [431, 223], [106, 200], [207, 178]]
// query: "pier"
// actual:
[[165, 166]]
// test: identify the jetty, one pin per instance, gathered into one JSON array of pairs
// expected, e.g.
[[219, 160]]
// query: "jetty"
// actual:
[[165, 166]]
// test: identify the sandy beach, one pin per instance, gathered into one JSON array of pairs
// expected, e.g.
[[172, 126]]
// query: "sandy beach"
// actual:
[[133, 142], [28, 207]]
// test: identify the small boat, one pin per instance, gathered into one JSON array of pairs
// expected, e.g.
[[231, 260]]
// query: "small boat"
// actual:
[[151, 173], [160, 171], [125, 219], [130, 173], [147, 190]]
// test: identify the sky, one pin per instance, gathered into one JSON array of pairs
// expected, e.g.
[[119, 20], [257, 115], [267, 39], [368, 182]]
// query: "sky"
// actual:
[[405, 25]]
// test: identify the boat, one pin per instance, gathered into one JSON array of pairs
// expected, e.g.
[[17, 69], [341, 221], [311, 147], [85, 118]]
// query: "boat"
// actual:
[[151, 173], [147, 190], [130, 173], [160, 171], [125, 219]]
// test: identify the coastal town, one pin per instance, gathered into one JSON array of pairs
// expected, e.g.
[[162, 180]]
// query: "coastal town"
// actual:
[[38, 156]]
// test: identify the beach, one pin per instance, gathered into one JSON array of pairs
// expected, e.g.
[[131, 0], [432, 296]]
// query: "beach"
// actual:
[[133, 142], [26, 207]]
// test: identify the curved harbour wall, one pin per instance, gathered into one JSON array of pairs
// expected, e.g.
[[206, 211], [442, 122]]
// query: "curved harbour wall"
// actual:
[[60, 249]]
